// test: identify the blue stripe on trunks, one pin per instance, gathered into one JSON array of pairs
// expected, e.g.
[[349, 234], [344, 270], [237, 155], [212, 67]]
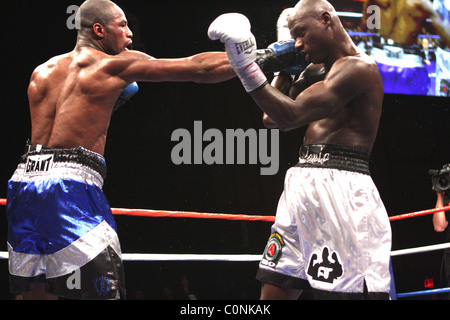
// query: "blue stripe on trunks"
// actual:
[[49, 215]]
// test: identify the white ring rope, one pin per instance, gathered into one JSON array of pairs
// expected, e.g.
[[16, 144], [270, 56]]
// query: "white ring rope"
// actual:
[[237, 257], [191, 257], [420, 249]]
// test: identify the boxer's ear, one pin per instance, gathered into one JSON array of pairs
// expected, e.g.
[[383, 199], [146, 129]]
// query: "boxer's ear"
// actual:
[[99, 30], [326, 19]]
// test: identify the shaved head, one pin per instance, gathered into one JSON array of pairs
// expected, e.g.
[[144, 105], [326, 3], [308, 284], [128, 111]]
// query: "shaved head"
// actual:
[[315, 9], [317, 30], [314, 5], [104, 26], [96, 11]]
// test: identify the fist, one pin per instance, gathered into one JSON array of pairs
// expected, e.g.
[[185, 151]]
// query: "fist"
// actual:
[[126, 95], [233, 29]]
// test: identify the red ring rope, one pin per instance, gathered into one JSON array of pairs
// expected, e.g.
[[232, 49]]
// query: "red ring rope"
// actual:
[[419, 213], [235, 217], [185, 214]]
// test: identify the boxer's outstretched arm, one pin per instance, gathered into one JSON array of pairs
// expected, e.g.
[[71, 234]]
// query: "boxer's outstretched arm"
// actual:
[[207, 67]]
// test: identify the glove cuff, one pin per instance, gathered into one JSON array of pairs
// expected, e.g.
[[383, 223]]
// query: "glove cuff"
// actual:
[[252, 77]]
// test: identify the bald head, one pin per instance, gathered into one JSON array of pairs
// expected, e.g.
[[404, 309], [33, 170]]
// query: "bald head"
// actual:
[[314, 4], [319, 10], [96, 11], [318, 31], [314, 7]]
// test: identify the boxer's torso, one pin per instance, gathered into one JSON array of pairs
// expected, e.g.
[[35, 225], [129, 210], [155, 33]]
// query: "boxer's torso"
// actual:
[[71, 100], [357, 123]]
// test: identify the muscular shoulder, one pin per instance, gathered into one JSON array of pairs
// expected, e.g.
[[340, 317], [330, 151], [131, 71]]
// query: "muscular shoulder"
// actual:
[[121, 62], [57, 63], [360, 62], [52, 63], [359, 71], [46, 71]]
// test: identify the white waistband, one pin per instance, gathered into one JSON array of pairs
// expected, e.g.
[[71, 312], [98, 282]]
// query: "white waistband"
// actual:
[[59, 170]]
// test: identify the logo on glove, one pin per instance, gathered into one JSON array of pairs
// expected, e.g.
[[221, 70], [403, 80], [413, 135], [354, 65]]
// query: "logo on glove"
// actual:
[[246, 46]]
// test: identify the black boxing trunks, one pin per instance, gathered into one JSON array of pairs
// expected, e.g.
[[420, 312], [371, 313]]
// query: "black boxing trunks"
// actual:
[[61, 230], [332, 233]]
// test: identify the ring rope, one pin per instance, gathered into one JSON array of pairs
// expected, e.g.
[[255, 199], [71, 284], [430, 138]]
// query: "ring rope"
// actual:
[[247, 257], [435, 247], [187, 214], [234, 217], [236, 258], [423, 293], [418, 213], [142, 257], [191, 257]]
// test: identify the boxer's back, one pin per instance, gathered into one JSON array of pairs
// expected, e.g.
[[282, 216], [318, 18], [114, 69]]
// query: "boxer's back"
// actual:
[[71, 101]]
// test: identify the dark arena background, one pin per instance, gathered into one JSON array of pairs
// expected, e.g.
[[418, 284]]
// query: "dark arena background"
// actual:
[[413, 138]]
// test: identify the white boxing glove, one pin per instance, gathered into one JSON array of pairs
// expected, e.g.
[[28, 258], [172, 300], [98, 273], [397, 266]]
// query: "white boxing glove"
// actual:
[[283, 32], [233, 29]]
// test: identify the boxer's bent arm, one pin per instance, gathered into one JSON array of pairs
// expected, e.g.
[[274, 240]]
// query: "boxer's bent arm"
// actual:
[[207, 67], [321, 100], [282, 82]]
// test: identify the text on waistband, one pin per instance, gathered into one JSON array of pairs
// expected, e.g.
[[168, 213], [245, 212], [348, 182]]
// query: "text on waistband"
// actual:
[[314, 158], [39, 164]]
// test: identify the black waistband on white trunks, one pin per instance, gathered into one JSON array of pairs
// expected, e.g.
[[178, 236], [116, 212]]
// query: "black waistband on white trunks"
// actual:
[[76, 155], [355, 159]]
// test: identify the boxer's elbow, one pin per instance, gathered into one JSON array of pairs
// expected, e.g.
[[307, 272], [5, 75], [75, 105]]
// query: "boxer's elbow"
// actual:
[[282, 126], [285, 127], [288, 122], [269, 123]]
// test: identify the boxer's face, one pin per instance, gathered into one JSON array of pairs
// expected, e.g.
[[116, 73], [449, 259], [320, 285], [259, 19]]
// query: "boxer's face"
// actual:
[[308, 32], [118, 35]]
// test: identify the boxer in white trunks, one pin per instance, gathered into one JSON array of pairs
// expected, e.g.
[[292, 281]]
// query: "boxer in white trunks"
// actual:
[[332, 233]]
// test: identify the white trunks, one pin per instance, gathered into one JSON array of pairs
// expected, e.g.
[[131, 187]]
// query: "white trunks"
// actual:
[[332, 232]]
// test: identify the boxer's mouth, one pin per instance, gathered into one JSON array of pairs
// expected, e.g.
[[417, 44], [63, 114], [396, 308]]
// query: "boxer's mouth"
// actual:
[[129, 46]]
